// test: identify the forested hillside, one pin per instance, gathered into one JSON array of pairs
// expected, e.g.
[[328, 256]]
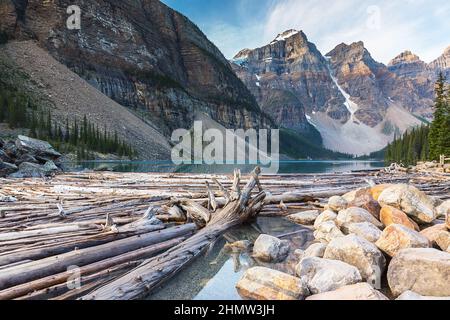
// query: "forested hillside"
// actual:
[[18, 111]]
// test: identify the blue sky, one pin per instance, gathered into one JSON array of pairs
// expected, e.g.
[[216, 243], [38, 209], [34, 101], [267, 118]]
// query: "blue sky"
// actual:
[[387, 27]]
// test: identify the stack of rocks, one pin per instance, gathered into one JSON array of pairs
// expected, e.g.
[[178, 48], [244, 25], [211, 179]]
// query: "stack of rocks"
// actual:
[[27, 158]]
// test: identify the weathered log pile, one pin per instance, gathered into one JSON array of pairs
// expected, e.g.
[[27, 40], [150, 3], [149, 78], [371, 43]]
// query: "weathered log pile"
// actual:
[[107, 235], [421, 166], [26, 157], [432, 166]]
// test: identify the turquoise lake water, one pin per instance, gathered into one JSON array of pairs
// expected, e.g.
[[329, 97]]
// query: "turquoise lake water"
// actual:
[[306, 166]]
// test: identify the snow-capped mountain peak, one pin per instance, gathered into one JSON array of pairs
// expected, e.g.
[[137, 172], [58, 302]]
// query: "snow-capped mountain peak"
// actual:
[[285, 35]]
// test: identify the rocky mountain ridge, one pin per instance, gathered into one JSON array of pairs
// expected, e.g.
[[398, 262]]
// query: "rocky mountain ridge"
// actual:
[[356, 103]]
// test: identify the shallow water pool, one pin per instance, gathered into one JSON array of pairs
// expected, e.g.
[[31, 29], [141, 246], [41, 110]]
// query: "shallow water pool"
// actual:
[[214, 275]]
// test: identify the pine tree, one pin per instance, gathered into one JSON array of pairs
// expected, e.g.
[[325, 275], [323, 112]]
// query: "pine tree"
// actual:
[[2, 105], [438, 129], [444, 136], [67, 133]]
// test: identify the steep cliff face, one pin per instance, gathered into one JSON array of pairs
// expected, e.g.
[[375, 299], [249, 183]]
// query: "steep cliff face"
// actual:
[[141, 54], [289, 77], [412, 84], [442, 63], [359, 75]]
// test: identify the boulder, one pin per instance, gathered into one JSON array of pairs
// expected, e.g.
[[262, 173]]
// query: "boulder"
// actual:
[[350, 196], [36, 147], [261, 283], [355, 215], [390, 215], [26, 158], [443, 209], [11, 150], [359, 291], [270, 249], [432, 233], [409, 295], [315, 250], [365, 230], [424, 271], [4, 157], [337, 203], [7, 168], [363, 199], [322, 275], [33, 170], [360, 253], [443, 240], [397, 237], [298, 253], [50, 167], [305, 217], [378, 189], [327, 231], [415, 203], [447, 221], [325, 216]]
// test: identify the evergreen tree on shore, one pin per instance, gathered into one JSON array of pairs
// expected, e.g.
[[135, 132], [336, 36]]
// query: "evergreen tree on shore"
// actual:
[[439, 129], [413, 146]]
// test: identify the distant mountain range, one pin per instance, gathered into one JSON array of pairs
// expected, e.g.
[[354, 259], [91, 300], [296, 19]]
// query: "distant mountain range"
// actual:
[[156, 71], [355, 102]]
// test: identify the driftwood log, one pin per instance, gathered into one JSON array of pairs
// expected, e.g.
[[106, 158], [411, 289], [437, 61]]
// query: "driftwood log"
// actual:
[[62, 277], [142, 280]]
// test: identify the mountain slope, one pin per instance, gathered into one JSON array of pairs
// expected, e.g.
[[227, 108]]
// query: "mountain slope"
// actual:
[[143, 55], [27, 67], [442, 63]]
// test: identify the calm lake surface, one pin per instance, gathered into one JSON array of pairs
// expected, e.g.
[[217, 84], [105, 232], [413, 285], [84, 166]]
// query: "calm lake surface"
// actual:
[[306, 166]]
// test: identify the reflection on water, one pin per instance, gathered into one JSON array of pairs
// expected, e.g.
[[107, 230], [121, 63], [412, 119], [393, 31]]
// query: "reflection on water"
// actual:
[[306, 166], [214, 275]]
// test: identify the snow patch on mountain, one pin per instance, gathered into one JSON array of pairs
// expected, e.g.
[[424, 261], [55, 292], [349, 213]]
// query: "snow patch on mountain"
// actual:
[[349, 104], [285, 35], [242, 61], [308, 117]]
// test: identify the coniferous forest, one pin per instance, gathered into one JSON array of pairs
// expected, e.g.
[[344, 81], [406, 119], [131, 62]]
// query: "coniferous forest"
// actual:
[[427, 142], [81, 138]]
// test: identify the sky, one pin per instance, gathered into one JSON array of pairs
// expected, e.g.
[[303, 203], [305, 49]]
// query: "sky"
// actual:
[[387, 27]]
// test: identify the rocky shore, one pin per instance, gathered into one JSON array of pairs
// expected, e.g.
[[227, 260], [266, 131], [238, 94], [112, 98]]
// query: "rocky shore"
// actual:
[[28, 158], [389, 231]]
